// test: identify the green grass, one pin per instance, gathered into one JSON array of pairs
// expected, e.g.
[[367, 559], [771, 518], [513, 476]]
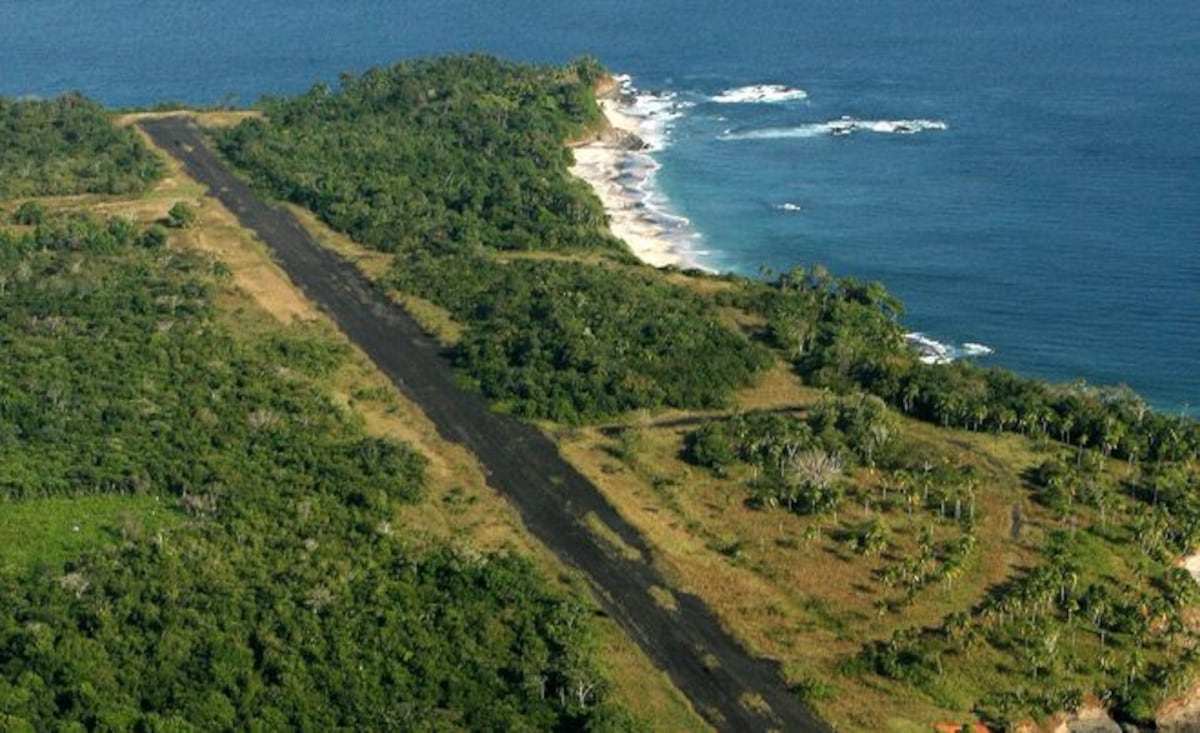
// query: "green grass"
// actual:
[[48, 532]]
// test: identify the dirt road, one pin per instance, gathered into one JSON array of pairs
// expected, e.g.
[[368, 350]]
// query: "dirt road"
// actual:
[[688, 643]]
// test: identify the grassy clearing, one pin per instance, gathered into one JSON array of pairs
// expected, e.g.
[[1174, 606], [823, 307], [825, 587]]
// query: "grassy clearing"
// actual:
[[664, 598], [641, 686], [436, 321], [251, 269], [796, 589], [787, 585], [52, 531]]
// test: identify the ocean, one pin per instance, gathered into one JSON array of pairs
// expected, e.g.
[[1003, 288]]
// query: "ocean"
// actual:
[[1025, 176]]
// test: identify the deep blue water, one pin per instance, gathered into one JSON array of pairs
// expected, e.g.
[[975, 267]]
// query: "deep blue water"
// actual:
[[1056, 218]]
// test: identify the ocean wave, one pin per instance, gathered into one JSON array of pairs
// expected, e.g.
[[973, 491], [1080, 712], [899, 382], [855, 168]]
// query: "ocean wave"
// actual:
[[655, 112], [841, 126], [897, 127], [973, 349], [935, 352], [760, 93], [776, 133]]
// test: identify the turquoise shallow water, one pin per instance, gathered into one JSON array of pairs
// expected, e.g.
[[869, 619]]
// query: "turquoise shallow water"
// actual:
[[1055, 219]]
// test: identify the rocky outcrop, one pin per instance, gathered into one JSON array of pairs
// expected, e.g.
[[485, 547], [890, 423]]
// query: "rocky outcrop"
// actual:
[[1182, 715], [623, 139], [1089, 719]]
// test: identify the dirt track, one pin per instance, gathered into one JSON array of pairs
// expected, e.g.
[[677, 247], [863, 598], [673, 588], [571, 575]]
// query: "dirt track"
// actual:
[[552, 497]]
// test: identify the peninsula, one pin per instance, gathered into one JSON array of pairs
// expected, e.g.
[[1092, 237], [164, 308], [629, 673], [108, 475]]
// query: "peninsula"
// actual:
[[445, 438]]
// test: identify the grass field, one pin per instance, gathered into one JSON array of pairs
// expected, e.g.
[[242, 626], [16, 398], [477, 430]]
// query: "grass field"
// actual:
[[791, 588], [787, 591]]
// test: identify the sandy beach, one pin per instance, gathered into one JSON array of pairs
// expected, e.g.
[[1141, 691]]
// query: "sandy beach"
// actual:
[[599, 163]]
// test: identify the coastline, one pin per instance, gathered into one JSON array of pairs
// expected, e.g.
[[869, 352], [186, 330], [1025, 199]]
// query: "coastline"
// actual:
[[616, 164]]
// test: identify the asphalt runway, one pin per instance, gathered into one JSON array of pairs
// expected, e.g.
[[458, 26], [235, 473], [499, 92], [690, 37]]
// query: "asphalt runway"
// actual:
[[688, 643]]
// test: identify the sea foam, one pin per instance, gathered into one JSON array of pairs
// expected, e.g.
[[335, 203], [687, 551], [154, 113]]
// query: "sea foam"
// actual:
[[760, 93], [654, 112], [972, 349], [935, 352], [840, 126]]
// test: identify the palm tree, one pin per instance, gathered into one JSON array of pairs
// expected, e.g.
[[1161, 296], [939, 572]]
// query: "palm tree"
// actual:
[[1004, 417], [979, 414], [1065, 425], [1023, 423], [1111, 436], [911, 392], [795, 278], [877, 436], [819, 277]]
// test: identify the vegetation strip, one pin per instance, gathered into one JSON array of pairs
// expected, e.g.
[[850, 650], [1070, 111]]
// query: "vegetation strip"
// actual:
[[522, 463]]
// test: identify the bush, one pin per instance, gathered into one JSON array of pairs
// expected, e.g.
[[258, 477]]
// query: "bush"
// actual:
[[181, 216], [69, 145], [30, 213], [154, 237], [712, 447]]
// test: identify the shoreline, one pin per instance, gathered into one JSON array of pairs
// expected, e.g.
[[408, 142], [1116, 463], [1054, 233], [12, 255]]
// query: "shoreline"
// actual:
[[603, 162]]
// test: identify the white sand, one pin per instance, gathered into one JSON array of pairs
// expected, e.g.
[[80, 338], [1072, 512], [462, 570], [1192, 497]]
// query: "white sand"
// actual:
[[1192, 565], [598, 163]]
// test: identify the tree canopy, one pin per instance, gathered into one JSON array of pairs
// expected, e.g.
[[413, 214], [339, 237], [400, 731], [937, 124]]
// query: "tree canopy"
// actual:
[[571, 341], [441, 154], [282, 597], [69, 145]]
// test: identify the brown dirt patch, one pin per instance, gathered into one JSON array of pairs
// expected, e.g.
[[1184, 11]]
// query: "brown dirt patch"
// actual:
[[214, 118]]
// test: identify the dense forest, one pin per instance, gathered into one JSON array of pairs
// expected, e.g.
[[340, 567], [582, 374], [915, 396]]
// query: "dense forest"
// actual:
[[254, 578], [443, 155], [557, 323], [68, 145], [570, 341]]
